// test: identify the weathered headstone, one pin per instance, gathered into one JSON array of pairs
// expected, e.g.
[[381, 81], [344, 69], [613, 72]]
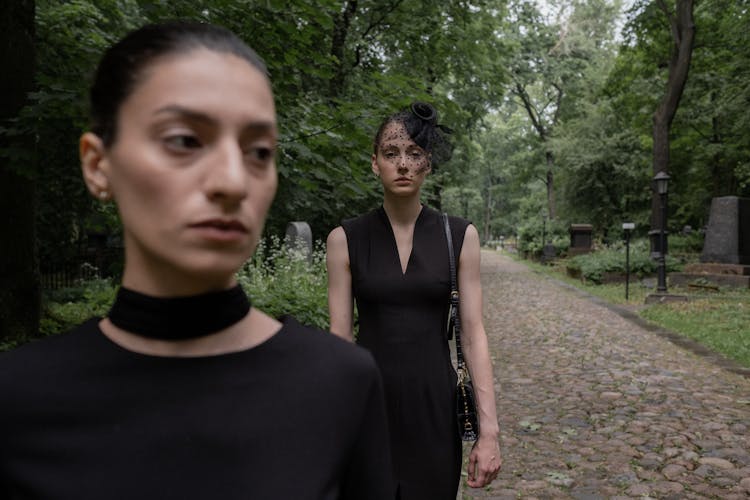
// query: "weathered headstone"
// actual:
[[727, 238], [548, 253], [580, 239], [299, 237]]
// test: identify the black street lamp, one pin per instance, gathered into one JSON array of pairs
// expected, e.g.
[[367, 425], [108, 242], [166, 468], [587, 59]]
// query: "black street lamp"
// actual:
[[627, 228], [661, 181]]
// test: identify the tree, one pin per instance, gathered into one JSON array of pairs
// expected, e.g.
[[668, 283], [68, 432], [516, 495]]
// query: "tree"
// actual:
[[550, 61], [682, 29], [19, 276]]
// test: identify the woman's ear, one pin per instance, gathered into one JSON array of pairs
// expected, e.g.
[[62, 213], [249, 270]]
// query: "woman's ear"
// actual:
[[374, 165], [94, 165]]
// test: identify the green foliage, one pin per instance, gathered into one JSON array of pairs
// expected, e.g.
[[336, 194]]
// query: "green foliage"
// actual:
[[525, 90], [534, 233], [65, 308], [334, 81], [280, 280], [464, 202], [686, 244], [612, 259], [70, 37], [709, 143]]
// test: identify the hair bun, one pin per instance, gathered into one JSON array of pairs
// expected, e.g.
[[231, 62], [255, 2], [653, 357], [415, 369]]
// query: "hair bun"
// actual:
[[424, 112]]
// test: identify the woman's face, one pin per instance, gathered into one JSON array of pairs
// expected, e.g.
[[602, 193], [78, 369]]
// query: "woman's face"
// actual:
[[192, 171], [399, 162]]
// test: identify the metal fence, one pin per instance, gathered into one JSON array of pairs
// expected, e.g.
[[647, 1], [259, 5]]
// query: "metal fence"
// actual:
[[86, 266]]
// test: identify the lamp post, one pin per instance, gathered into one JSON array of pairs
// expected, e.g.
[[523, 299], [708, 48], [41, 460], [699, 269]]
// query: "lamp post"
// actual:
[[627, 227], [661, 180]]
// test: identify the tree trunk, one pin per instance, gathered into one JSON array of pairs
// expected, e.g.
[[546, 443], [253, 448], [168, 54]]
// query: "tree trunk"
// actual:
[[550, 182], [683, 35], [488, 210], [544, 133], [19, 274], [338, 48]]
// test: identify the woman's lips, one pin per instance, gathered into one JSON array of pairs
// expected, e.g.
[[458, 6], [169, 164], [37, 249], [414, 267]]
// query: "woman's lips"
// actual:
[[225, 230]]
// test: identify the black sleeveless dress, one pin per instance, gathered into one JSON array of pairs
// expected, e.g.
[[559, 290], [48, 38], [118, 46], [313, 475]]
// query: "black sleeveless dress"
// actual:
[[402, 321]]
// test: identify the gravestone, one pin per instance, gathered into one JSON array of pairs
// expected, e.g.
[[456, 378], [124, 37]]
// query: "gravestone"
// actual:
[[580, 239], [299, 237], [727, 238], [548, 253]]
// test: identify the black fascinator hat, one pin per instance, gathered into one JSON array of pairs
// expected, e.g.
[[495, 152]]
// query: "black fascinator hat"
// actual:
[[420, 120], [424, 112]]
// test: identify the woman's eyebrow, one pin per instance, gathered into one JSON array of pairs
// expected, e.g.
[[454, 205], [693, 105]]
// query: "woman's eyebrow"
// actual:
[[256, 126], [182, 111]]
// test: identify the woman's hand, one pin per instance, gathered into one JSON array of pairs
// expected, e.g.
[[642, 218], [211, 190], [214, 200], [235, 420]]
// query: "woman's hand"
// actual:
[[484, 462]]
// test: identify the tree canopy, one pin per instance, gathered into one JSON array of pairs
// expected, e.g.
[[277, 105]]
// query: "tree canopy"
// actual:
[[552, 106]]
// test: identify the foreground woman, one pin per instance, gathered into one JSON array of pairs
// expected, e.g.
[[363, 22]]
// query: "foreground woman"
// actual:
[[184, 390], [394, 262]]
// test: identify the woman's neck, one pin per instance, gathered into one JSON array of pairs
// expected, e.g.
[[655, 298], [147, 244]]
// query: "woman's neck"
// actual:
[[402, 211], [162, 279]]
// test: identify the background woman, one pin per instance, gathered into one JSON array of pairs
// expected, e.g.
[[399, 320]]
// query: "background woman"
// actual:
[[184, 390], [394, 262]]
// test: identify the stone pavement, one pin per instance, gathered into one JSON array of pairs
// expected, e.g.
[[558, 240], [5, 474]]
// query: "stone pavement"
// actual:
[[593, 406]]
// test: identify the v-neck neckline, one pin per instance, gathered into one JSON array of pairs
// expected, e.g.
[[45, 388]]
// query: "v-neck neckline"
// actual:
[[403, 271]]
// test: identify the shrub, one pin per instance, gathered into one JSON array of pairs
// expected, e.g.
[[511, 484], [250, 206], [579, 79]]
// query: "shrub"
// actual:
[[65, 308], [531, 232], [691, 243], [611, 259], [280, 280]]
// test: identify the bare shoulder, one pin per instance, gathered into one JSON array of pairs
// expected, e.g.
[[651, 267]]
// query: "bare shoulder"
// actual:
[[337, 250], [471, 241], [471, 233], [336, 237]]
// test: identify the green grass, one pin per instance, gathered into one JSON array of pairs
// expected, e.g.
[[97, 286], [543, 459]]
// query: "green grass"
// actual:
[[721, 323], [719, 320]]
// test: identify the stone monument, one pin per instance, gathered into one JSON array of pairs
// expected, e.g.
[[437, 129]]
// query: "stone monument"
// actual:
[[728, 232], [725, 260], [580, 239], [299, 236]]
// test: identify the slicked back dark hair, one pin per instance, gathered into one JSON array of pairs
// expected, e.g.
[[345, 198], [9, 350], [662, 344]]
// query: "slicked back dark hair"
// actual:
[[125, 62]]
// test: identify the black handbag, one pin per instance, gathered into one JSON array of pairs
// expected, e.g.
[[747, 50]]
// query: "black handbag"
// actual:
[[466, 405]]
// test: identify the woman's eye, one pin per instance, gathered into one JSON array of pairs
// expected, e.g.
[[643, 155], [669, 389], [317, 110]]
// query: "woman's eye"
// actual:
[[260, 154], [182, 142]]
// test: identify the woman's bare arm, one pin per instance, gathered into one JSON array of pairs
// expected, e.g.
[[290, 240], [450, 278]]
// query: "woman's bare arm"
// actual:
[[340, 302], [485, 460]]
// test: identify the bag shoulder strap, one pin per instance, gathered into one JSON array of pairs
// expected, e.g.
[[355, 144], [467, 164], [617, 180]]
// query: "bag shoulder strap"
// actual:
[[454, 318]]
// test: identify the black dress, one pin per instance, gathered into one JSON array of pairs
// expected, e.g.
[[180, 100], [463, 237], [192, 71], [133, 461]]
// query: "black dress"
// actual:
[[402, 321], [300, 416]]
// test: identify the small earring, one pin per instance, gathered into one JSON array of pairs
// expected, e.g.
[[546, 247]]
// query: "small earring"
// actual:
[[103, 195]]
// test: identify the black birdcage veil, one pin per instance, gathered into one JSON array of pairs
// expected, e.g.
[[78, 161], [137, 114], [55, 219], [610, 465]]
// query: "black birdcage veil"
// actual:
[[421, 123]]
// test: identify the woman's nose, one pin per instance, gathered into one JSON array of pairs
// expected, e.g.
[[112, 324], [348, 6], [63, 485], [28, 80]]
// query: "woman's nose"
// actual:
[[402, 163], [226, 176]]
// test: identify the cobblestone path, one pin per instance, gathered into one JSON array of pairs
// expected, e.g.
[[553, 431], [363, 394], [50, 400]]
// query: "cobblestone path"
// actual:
[[592, 406]]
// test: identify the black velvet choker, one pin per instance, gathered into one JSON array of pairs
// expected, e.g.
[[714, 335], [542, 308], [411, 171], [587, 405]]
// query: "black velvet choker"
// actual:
[[178, 318]]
